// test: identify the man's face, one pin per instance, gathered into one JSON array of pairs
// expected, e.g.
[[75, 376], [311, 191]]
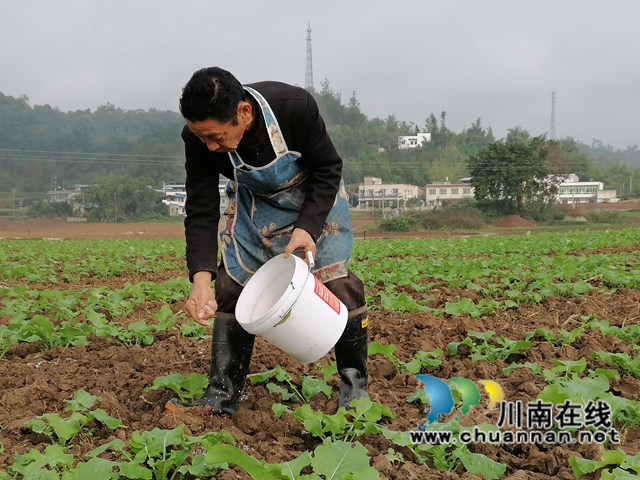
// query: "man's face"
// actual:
[[223, 137]]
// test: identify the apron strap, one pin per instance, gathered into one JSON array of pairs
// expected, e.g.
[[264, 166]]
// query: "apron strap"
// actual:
[[273, 128]]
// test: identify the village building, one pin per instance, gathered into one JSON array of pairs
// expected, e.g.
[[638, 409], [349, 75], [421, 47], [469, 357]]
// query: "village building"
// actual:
[[372, 192]]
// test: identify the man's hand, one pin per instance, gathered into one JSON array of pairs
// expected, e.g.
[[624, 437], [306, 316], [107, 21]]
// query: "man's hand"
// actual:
[[201, 305], [300, 240]]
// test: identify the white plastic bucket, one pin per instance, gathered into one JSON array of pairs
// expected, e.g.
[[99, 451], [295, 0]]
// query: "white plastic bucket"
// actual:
[[286, 305]]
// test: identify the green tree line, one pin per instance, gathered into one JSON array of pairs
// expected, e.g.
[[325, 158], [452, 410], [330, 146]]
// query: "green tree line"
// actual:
[[42, 147]]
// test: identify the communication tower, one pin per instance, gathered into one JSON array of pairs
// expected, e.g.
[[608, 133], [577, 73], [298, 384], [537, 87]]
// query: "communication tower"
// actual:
[[308, 75], [552, 132]]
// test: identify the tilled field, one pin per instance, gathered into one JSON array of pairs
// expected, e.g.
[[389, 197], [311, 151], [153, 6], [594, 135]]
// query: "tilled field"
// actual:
[[37, 380]]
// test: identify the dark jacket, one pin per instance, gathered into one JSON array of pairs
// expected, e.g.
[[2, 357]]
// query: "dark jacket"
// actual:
[[304, 131]]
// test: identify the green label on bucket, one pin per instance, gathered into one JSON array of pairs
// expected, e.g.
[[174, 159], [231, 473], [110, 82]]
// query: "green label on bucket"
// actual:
[[284, 319]]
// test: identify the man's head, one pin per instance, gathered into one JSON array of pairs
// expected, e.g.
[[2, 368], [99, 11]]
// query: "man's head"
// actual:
[[215, 108]]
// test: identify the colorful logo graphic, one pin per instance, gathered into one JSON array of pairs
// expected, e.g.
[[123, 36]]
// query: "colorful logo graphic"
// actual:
[[441, 394]]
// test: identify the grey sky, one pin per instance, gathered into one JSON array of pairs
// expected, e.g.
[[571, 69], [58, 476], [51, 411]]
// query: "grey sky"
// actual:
[[494, 59]]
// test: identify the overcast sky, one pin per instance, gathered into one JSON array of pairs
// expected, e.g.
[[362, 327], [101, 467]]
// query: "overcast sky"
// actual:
[[495, 59]]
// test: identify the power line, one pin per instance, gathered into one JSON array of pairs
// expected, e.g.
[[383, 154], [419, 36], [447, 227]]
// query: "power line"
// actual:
[[52, 152]]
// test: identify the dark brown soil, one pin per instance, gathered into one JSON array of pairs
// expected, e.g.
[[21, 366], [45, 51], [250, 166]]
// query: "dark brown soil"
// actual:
[[37, 381]]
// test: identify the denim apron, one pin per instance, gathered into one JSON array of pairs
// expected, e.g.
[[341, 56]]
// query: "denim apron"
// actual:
[[264, 204]]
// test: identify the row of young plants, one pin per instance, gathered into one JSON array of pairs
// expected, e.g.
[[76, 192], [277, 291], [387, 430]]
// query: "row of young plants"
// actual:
[[538, 244], [504, 281], [68, 318], [41, 261], [168, 453], [337, 432], [67, 261]]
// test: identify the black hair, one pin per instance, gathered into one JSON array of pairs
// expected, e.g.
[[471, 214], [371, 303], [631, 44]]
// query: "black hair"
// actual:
[[212, 94]]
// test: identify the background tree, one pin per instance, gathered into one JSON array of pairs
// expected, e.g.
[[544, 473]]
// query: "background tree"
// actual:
[[117, 198], [512, 179]]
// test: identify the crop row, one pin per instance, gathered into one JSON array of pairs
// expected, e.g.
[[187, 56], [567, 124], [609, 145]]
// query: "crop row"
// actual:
[[41, 261]]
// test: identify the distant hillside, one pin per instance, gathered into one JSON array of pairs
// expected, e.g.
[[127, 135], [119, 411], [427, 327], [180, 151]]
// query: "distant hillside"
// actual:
[[40, 142]]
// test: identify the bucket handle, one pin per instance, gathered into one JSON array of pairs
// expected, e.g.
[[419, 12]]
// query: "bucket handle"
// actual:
[[310, 259]]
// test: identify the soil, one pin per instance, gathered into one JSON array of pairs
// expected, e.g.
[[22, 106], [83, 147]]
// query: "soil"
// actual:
[[513, 221], [36, 380], [41, 228]]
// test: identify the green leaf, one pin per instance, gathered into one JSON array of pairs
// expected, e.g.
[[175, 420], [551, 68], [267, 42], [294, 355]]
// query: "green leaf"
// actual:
[[116, 445], [187, 388], [421, 396], [96, 469], [279, 409], [378, 348], [282, 375], [394, 456], [581, 466], [618, 474], [52, 457], [534, 367], [422, 360], [105, 418], [566, 366], [286, 394], [135, 471], [81, 401], [328, 371], [311, 386], [66, 428], [334, 459], [477, 463], [291, 470], [222, 453]]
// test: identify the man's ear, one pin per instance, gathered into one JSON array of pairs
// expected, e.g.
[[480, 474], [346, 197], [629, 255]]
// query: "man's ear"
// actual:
[[244, 107], [245, 110]]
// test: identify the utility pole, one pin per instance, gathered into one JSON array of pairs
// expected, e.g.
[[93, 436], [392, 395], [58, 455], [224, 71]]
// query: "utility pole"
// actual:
[[552, 132], [13, 190]]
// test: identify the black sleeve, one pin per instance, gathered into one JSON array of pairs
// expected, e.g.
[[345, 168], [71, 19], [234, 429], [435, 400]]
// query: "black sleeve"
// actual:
[[325, 172], [202, 207]]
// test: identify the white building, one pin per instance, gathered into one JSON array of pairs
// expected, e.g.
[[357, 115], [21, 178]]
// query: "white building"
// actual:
[[66, 195], [412, 141], [436, 193], [175, 197], [375, 193], [571, 191]]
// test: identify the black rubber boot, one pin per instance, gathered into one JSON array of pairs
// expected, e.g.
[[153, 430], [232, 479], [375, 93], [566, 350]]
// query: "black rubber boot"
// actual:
[[231, 350], [351, 357]]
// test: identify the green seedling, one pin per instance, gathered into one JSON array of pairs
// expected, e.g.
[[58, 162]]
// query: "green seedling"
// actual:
[[64, 430], [332, 459], [629, 365], [486, 351], [611, 458], [310, 386], [195, 331], [166, 451], [187, 388], [420, 360], [534, 367], [342, 425]]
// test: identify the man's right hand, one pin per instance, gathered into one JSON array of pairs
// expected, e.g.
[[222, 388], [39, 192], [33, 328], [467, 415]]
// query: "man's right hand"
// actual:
[[201, 305]]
